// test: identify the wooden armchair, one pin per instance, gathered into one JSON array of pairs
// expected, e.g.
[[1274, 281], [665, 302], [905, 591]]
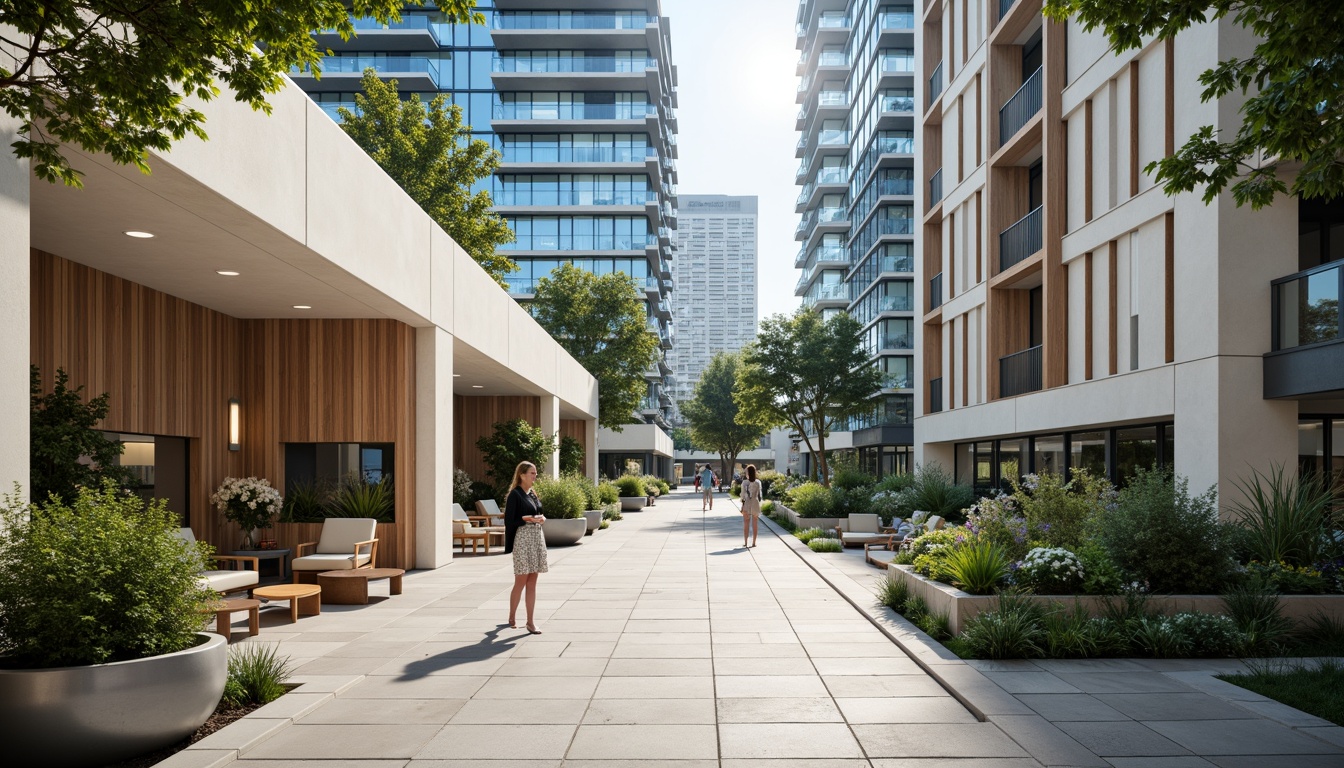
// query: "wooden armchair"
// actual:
[[345, 544], [225, 581]]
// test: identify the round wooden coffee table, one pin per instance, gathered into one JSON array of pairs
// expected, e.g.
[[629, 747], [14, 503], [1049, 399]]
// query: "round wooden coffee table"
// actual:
[[303, 599], [351, 587], [224, 610]]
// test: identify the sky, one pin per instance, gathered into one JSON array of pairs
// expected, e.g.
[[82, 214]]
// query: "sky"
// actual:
[[736, 84]]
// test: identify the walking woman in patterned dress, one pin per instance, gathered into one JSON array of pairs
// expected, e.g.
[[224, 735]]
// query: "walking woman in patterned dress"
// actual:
[[522, 537]]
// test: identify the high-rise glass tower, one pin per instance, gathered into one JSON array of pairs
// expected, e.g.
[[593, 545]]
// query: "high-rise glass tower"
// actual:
[[857, 231], [581, 102], [714, 304]]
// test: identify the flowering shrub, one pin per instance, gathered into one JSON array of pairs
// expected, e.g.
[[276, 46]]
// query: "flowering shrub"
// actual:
[[1289, 579], [811, 500], [885, 504], [1000, 520], [462, 488], [932, 550], [248, 501], [1050, 571], [1057, 513]]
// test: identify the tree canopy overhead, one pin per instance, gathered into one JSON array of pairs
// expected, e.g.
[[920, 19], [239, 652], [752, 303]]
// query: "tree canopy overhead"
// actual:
[[808, 373], [431, 154], [717, 422], [1292, 121], [601, 321], [111, 77]]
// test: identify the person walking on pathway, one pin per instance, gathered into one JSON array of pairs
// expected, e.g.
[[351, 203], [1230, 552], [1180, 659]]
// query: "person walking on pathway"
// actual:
[[706, 488], [522, 536], [751, 506]]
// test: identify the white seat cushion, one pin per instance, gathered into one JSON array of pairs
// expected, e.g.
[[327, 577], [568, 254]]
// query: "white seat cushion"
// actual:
[[324, 562], [864, 523], [225, 581], [863, 538], [339, 535], [458, 512], [488, 507]]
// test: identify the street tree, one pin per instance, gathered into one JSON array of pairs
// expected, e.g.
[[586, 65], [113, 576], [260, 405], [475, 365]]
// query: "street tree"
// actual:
[[681, 439], [429, 152], [718, 424], [601, 321], [114, 78], [808, 374], [1292, 123]]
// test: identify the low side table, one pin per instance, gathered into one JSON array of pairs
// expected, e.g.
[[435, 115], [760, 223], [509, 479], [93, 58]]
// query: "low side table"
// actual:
[[351, 587], [280, 556], [224, 610], [303, 599]]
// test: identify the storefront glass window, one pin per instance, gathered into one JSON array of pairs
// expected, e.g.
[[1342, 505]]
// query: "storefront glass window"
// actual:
[[1050, 454], [1087, 450], [1135, 447]]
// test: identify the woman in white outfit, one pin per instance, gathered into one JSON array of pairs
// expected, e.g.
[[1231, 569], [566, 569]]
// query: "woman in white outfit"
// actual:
[[751, 506]]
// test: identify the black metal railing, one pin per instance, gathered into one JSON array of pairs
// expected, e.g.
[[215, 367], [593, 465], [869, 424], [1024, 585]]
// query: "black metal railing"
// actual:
[[1020, 240], [1005, 6], [1020, 372], [1020, 108], [935, 187], [935, 291], [936, 395], [1306, 307], [936, 83]]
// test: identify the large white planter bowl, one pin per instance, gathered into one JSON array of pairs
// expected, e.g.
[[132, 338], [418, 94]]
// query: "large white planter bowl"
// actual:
[[594, 520], [563, 533], [633, 503], [72, 717]]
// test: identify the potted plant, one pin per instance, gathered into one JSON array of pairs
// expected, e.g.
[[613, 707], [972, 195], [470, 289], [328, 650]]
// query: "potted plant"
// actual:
[[249, 502], [592, 502], [633, 495], [562, 502], [102, 656]]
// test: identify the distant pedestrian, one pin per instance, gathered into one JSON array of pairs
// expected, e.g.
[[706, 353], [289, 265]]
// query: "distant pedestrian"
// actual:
[[751, 506], [706, 478], [697, 478], [522, 536]]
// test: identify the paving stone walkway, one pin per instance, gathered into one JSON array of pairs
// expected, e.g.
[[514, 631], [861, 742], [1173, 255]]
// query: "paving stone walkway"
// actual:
[[666, 644]]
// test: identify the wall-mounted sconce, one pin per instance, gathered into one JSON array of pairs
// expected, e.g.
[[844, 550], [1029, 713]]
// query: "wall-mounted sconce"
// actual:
[[234, 419]]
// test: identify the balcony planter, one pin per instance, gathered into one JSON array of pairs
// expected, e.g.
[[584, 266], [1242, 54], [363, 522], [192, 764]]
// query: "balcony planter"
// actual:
[[594, 519], [564, 532], [69, 717]]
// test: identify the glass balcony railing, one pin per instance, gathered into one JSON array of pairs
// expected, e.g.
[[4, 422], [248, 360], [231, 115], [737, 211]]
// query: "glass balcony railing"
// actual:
[[826, 215], [590, 20], [548, 242], [805, 83], [896, 187], [833, 175], [803, 168], [550, 153], [895, 341], [385, 65], [806, 193], [833, 21], [889, 145], [936, 291], [330, 108], [802, 141], [897, 264], [897, 63], [833, 99], [897, 104], [521, 286], [410, 23], [894, 226], [1020, 108], [830, 292], [1307, 307], [894, 304], [833, 59], [1020, 240], [936, 83], [550, 111], [896, 20], [830, 254], [549, 64], [936, 187], [832, 138], [574, 197], [1020, 372]]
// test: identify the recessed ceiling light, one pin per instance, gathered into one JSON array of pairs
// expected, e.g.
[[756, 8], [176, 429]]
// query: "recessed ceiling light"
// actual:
[[477, 386], [139, 234], [302, 306], [227, 272]]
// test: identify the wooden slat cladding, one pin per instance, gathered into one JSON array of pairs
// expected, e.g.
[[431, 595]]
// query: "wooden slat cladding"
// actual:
[[171, 366], [474, 418], [575, 428]]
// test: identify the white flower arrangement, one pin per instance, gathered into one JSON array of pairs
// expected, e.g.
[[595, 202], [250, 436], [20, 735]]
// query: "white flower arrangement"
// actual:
[[248, 501]]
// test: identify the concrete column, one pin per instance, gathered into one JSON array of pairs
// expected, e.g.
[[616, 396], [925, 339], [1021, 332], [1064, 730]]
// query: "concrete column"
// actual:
[[433, 447], [14, 312], [550, 424], [592, 466]]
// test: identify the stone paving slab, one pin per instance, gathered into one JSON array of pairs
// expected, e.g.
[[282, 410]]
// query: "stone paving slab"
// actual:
[[667, 645]]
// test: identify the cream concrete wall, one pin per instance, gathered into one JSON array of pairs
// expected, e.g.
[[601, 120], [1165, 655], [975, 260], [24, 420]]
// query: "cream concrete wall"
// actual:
[[550, 424], [14, 314], [635, 438], [434, 459]]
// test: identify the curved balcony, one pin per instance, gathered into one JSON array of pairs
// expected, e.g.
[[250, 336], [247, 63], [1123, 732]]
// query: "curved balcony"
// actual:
[[342, 73]]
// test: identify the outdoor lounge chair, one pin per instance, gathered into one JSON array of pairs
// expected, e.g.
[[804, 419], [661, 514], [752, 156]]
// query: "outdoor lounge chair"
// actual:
[[468, 528], [864, 529], [225, 581], [346, 543]]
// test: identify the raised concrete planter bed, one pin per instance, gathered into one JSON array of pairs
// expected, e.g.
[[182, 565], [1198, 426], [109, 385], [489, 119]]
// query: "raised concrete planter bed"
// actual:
[[961, 607]]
